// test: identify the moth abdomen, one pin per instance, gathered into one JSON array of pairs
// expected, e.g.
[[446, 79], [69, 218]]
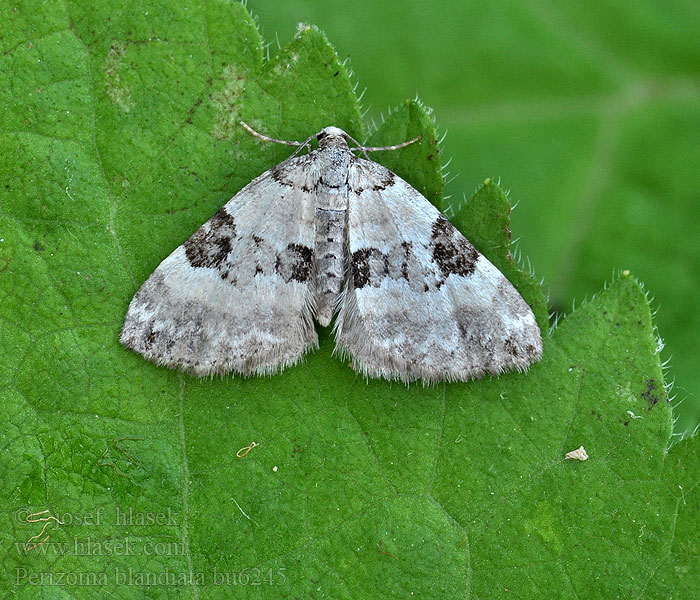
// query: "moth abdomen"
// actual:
[[330, 261]]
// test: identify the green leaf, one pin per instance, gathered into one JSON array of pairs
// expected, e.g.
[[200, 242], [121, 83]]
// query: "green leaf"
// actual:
[[590, 114], [120, 139]]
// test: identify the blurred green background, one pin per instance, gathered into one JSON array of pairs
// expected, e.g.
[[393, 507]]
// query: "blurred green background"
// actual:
[[588, 112]]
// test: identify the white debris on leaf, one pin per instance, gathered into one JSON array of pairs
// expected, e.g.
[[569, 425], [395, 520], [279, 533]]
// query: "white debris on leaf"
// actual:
[[578, 454]]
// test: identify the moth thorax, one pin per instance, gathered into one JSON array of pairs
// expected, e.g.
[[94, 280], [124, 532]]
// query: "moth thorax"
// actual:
[[335, 165]]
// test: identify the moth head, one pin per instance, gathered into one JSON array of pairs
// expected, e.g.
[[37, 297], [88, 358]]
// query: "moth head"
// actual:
[[332, 137]]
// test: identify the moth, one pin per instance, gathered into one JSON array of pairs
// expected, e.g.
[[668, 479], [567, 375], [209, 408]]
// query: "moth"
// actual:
[[330, 234]]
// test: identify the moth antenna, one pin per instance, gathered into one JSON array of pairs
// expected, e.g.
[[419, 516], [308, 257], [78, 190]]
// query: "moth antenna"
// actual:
[[267, 138], [378, 148]]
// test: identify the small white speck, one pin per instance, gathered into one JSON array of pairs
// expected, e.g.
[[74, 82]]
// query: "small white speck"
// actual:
[[578, 454], [274, 468]]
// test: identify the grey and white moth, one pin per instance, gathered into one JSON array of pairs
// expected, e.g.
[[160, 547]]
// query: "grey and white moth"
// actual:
[[324, 234]]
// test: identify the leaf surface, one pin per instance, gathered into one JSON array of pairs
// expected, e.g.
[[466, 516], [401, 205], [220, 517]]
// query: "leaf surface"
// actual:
[[120, 140]]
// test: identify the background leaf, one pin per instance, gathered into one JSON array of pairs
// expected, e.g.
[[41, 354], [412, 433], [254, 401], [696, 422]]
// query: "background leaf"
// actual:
[[120, 141], [590, 114]]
